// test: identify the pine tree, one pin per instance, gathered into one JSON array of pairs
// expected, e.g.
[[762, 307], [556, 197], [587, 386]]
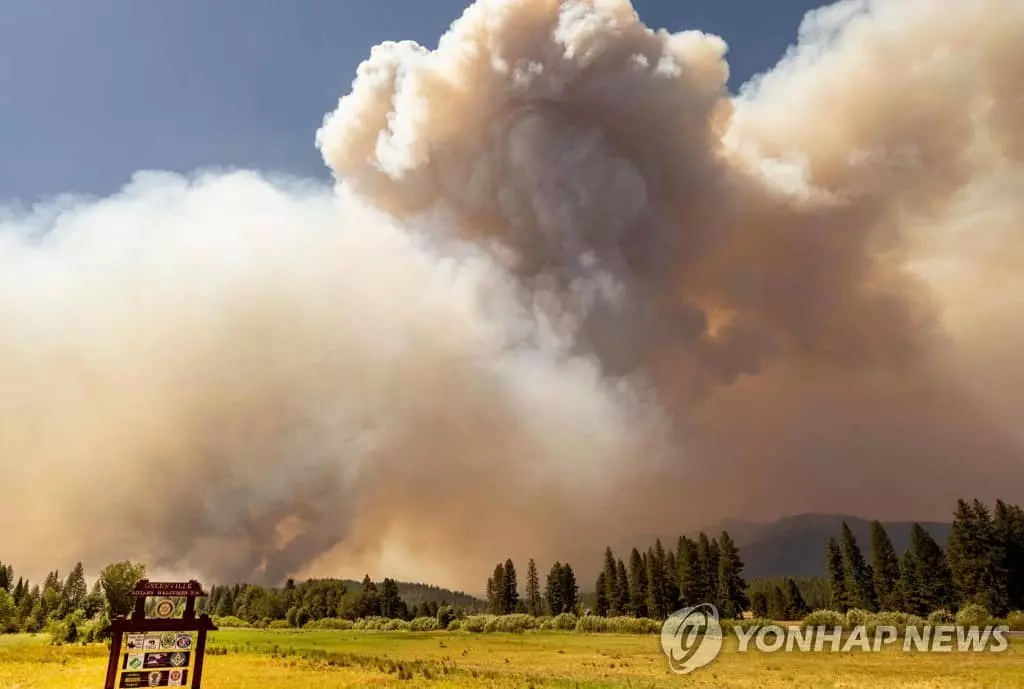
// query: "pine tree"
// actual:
[[20, 589], [601, 603], [367, 604], [6, 577], [656, 602], [510, 599], [935, 587], [622, 588], [570, 590], [837, 578], [859, 579], [553, 590], [732, 588], [637, 584], [776, 603], [533, 600], [976, 558], [75, 590], [759, 604], [226, 604], [610, 582], [1009, 526], [912, 596], [496, 601], [707, 556], [691, 585], [885, 568], [671, 581], [796, 607], [391, 604]]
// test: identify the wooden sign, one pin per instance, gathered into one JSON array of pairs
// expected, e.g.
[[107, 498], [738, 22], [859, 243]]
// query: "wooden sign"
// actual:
[[163, 651]]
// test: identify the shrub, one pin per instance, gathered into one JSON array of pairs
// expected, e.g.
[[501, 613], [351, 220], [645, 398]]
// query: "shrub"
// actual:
[[278, 624], [476, 623], [516, 622], [856, 616], [367, 624], [334, 623], [941, 617], [423, 624], [1015, 620], [753, 622], [592, 624], [824, 618], [972, 614], [396, 625], [445, 615], [231, 621], [566, 621], [455, 625]]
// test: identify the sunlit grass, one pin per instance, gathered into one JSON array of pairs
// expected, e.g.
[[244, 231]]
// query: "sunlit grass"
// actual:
[[324, 659]]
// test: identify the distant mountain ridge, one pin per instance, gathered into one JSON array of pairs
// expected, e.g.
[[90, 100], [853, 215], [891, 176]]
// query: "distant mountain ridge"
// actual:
[[795, 545], [414, 593]]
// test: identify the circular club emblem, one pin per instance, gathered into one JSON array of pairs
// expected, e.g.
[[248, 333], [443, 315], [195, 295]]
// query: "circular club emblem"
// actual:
[[164, 608]]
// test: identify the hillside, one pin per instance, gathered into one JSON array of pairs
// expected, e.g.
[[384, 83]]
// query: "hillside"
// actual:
[[416, 594], [795, 546], [792, 546]]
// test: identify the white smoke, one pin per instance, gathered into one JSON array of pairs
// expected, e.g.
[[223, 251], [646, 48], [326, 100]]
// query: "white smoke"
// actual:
[[566, 289]]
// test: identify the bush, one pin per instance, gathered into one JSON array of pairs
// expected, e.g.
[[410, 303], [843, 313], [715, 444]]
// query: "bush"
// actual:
[[752, 623], [565, 621], [445, 615], [396, 625], [1015, 620], [455, 625], [370, 624], [941, 617], [593, 624], [516, 622], [476, 623], [278, 624], [423, 624], [856, 616], [332, 623], [972, 614], [824, 618], [231, 621]]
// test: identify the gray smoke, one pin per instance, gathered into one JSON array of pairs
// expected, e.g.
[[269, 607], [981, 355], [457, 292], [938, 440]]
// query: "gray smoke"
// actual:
[[566, 289]]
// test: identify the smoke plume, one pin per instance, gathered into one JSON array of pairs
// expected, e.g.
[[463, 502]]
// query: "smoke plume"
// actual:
[[566, 289]]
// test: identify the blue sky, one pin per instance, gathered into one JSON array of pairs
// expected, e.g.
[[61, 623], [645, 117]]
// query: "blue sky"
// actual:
[[92, 91]]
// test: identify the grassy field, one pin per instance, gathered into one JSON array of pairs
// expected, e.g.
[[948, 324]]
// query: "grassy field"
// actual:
[[246, 659]]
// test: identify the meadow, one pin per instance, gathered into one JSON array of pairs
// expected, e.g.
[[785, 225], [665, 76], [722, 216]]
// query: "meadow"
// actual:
[[272, 659]]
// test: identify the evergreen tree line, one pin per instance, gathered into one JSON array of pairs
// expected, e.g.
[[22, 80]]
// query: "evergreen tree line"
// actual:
[[561, 592], [658, 582], [81, 612], [983, 564], [778, 600]]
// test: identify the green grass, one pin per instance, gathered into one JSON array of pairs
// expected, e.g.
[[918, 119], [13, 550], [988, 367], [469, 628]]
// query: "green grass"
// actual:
[[243, 659]]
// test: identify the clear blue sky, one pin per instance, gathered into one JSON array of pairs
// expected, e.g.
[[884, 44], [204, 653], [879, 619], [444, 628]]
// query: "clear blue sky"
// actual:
[[93, 90]]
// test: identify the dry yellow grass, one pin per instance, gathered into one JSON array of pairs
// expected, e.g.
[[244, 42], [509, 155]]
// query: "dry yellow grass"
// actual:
[[324, 660]]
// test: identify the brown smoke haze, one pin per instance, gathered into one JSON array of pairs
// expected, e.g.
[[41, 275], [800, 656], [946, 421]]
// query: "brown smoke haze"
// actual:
[[567, 289]]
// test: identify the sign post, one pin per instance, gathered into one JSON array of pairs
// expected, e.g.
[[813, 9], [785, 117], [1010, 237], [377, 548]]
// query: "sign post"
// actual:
[[161, 651]]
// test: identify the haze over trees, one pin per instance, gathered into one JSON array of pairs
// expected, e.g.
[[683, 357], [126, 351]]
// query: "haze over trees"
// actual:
[[982, 565]]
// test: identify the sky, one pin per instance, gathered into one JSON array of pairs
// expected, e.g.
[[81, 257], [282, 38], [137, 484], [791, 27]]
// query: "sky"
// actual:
[[91, 92]]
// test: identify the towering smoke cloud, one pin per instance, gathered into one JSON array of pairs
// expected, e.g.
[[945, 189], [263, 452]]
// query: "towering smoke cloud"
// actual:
[[566, 289]]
